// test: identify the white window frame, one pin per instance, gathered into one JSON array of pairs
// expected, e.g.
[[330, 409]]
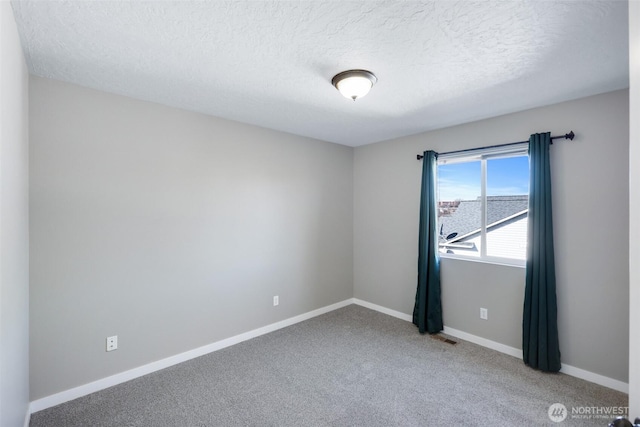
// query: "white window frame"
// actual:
[[482, 155]]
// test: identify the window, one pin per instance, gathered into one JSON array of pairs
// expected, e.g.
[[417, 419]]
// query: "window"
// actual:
[[483, 200]]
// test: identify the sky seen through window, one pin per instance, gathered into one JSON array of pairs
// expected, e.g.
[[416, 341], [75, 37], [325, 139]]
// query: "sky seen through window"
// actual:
[[506, 176]]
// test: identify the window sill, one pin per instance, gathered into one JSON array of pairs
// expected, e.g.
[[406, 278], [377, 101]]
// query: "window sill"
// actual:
[[488, 260]]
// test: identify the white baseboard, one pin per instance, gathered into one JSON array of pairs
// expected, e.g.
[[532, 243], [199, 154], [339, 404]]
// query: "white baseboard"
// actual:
[[101, 384], [565, 369], [384, 310], [74, 393], [595, 378], [502, 348], [493, 345]]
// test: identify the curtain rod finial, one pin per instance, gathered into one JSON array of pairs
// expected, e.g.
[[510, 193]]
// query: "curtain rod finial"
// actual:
[[570, 135], [419, 156]]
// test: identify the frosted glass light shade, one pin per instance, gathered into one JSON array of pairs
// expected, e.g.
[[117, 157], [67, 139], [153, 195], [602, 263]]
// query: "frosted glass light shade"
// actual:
[[354, 84]]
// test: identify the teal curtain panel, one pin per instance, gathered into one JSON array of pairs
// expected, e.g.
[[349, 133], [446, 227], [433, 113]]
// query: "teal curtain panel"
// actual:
[[427, 312], [540, 343]]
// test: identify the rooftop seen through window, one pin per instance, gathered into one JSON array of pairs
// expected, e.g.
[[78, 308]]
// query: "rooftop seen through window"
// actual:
[[483, 206]]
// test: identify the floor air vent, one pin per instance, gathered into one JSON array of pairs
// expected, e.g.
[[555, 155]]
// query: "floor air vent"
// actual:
[[444, 339]]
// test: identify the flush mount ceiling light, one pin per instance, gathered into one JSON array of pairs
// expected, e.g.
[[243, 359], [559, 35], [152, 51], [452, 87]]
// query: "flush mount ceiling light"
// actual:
[[354, 84]]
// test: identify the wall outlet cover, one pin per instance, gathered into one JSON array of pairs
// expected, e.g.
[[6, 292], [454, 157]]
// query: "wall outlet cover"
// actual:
[[112, 343]]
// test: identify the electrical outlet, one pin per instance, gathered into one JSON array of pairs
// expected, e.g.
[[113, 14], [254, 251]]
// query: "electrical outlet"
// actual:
[[112, 343], [276, 300], [484, 314]]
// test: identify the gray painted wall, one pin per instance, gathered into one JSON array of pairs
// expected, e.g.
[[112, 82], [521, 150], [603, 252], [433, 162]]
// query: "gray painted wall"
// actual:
[[634, 199], [591, 212], [172, 230], [140, 228], [14, 225]]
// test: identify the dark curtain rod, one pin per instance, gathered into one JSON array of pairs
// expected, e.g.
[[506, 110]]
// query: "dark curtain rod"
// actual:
[[569, 135]]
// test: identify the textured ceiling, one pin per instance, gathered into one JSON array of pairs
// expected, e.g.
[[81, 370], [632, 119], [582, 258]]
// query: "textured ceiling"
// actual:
[[270, 63]]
